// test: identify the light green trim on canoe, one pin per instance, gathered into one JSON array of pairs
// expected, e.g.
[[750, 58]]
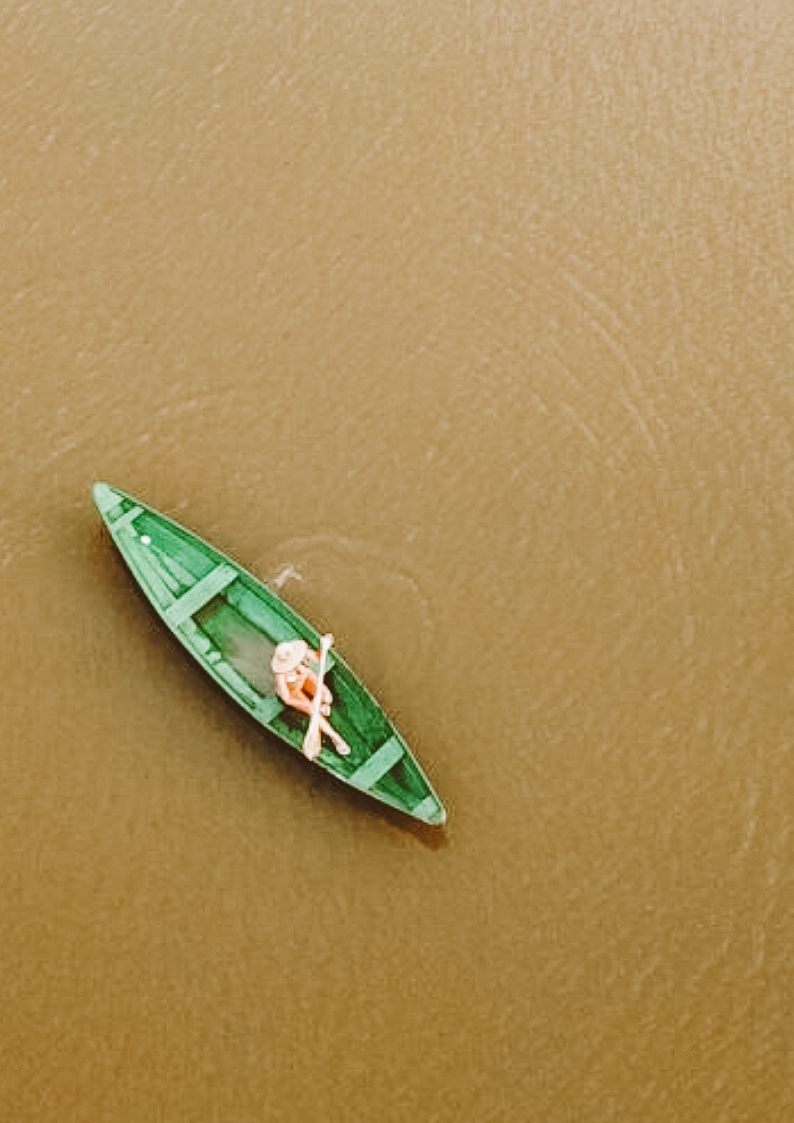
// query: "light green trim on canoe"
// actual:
[[429, 811], [378, 765], [106, 498], [268, 708], [193, 635], [202, 592], [125, 520]]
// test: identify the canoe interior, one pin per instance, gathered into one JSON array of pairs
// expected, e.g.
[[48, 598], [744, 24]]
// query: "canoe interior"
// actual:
[[231, 623]]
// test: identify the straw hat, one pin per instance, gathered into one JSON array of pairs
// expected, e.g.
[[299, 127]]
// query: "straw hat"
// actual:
[[288, 655]]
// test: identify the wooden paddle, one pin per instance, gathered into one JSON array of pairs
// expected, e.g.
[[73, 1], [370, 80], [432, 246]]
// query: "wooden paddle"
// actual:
[[312, 742]]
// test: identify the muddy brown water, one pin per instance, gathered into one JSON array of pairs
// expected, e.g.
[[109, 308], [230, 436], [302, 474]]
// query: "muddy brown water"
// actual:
[[469, 326]]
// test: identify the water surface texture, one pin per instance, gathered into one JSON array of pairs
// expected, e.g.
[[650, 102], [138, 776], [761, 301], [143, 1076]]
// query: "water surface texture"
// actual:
[[469, 326]]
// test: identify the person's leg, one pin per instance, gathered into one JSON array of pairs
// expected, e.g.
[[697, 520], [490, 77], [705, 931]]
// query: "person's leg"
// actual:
[[310, 689], [303, 703], [340, 744]]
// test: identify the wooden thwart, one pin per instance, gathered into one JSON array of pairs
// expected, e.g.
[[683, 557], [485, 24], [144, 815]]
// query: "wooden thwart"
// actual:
[[127, 519], [377, 766], [202, 592]]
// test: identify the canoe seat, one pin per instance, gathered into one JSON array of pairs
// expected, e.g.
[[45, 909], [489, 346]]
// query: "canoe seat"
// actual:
[[203, 591], [125, 520], [376, 767]]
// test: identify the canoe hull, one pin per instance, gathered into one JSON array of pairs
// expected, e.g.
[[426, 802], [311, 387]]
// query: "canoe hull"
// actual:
[[230, 622]]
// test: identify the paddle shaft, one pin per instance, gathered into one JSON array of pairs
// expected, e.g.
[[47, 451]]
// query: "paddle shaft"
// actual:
[[313, 737]]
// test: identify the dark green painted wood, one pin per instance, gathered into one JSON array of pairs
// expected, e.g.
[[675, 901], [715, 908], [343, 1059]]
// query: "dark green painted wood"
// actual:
[[231, 622]]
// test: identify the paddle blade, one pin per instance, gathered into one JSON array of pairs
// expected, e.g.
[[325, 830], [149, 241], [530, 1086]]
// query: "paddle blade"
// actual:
[[312, 743]]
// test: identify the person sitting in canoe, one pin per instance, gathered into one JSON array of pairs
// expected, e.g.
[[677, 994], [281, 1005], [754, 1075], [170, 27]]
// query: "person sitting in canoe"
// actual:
[[296, 685]]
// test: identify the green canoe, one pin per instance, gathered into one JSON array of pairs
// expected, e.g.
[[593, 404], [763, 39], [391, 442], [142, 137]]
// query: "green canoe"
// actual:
[[231, 623]]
